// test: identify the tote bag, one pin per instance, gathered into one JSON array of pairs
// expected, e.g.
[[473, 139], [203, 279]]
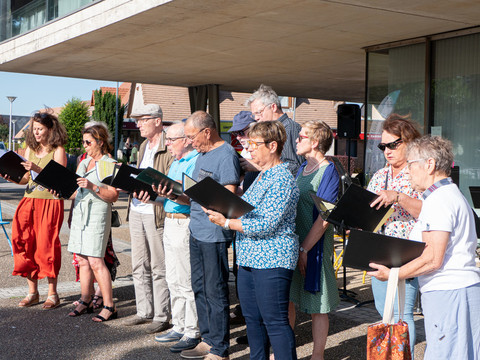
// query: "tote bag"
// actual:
[[387, 340]]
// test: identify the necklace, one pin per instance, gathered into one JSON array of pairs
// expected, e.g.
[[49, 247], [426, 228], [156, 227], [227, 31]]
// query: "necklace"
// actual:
[[315, 167]]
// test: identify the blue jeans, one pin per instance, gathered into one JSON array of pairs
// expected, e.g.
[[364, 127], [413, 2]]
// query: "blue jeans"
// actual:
[[379, 289], [209, 263], [264, 296]]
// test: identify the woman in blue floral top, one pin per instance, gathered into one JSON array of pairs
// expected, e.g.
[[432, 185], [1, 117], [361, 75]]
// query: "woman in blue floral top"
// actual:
[[267, 247], [393, 187]]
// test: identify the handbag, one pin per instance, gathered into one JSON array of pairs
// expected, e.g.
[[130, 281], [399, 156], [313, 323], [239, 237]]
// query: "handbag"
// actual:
[[116, 222], [387, 340]]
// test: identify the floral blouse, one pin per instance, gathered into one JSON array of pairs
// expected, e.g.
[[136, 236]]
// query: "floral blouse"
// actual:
[[268, 240], [401, 222]]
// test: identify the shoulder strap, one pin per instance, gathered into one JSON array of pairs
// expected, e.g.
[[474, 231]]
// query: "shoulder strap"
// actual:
[[393, 285]]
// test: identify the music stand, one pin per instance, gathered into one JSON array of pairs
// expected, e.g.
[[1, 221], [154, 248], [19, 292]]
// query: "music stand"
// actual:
[[345, 182]]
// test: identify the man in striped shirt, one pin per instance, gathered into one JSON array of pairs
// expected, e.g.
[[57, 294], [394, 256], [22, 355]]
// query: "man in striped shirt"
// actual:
[[265, 106]]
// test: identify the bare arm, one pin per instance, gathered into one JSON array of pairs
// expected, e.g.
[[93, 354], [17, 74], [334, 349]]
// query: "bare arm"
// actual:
[[387, 197], [430, 260], [313, 236]]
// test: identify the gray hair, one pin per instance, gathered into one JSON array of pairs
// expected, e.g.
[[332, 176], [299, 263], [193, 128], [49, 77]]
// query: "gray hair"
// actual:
[[177, 129], [202, 120], [266, 95], [435, 147]]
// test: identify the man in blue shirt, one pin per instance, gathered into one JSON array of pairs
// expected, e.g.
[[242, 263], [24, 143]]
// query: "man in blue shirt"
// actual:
[[176, 241], [209, 242]]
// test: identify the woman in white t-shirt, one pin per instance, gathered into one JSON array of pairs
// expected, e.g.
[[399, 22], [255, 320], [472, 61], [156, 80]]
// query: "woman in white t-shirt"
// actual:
[[448, 277]]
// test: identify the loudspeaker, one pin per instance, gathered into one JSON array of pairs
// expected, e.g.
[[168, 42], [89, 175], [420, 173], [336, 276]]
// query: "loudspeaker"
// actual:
[[348, 121]]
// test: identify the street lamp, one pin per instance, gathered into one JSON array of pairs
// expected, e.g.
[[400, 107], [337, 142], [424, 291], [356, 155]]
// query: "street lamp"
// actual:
[[11, 99]]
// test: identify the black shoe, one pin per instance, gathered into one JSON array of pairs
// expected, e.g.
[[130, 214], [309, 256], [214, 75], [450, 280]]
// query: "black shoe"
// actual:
[[243, 340], [185, 343], [87, 309]]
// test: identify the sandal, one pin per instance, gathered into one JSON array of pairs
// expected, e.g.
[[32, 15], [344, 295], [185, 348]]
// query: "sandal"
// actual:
[[30, 299], [87, 309], [52, 302], [97, 302], [113, 315]]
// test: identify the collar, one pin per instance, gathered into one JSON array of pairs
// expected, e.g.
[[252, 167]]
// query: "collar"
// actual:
[[435, 186], [189, 156]]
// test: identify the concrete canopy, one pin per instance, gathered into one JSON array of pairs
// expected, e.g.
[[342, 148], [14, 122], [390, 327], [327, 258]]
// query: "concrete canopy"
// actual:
[[304, 48]]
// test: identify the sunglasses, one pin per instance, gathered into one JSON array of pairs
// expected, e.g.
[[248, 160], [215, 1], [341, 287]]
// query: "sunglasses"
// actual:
[[239, 133], [87, 142], [392, 145]]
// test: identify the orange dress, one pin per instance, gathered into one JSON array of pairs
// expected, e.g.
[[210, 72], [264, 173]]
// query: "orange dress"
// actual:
[[35, 230]]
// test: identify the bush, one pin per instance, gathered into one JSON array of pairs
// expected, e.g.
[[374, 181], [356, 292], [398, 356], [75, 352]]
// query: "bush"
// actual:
[[105, 105], [74, 116]]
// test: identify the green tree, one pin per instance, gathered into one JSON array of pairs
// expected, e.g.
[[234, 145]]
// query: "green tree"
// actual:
[[104, 110], [3, 132], [74, 116]]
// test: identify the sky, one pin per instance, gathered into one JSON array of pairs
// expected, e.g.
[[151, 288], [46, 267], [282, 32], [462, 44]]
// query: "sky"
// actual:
[[36, 92]]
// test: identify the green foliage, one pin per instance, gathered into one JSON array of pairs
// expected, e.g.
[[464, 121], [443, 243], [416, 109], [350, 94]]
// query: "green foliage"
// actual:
[[74, 116], [3, 132], [105, 110]]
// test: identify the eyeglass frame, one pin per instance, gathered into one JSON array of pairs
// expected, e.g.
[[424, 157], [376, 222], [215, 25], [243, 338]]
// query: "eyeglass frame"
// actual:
[[254, 144], [260, 113], [391, 145], [143, 120], [301, 137], [410, 162], [191, 138], [88, 142], [173, 139], [239, 132]]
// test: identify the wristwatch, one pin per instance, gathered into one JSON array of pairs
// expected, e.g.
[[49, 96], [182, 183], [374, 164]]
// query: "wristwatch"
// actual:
[[97, 190], [303, 250]]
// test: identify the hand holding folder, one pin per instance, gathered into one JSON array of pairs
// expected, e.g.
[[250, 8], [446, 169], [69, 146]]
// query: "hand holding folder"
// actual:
[[353, 210], [214, 196], [11, 165]]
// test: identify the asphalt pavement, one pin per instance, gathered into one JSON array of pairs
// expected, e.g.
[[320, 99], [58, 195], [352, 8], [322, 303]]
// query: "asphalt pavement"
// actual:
[[33, 333]]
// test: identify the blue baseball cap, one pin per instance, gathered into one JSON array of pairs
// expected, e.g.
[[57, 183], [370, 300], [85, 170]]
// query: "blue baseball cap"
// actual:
[[241, 121]]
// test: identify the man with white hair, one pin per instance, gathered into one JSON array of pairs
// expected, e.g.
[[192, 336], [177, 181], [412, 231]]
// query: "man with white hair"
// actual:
[[265, 106], [146, 229], [176, 241]]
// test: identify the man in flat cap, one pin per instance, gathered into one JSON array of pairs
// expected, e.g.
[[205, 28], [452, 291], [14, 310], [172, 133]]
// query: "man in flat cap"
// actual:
[[146, 229]]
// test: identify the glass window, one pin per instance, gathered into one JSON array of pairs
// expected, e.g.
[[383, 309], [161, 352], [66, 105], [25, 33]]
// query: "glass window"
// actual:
[[456, 103], [396, 83]]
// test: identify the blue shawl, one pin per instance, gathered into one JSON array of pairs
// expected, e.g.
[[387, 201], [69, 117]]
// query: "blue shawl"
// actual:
[[328, 190]]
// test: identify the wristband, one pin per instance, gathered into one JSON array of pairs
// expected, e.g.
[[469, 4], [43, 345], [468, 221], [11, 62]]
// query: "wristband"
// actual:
[[225, 226], [398, 197]]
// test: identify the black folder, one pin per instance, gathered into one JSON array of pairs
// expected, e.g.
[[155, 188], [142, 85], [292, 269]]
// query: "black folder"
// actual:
[[364, 247], [214, 196], [10, 164], [353, 210], [125, 179], [151, 177], [475, 194], [57, 177]]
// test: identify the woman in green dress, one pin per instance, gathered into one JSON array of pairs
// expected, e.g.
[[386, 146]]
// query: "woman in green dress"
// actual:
[[314, 287]]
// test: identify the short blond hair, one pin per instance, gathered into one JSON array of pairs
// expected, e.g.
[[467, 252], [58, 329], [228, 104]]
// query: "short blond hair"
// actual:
[[318, 130]]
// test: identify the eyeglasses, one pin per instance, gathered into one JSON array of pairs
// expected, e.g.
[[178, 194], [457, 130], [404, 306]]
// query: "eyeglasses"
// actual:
[[239, 133], [143, 120], [301, 137], [192, 137], [392, 145], [254, 144], [170, 140], [410, 162], [259, 113], [87, 142]]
